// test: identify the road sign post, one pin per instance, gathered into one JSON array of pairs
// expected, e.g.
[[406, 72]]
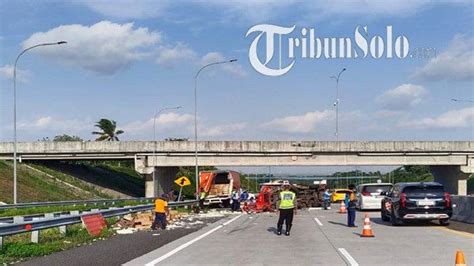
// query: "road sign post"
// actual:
[[181, 182]]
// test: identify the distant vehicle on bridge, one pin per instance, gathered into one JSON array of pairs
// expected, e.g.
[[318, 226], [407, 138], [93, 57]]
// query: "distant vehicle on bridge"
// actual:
[[416, 201], [218, 186], [369, 196]]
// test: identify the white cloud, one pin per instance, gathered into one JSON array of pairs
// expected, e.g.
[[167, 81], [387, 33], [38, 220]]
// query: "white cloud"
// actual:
[[104, 47], [300, 124], [170, 56], [232, 11], [460, 118], [402, 97], [56, 125], [128, 8], [167, 121], [6, 72], [233, 68], [221, 130], [456, 63]]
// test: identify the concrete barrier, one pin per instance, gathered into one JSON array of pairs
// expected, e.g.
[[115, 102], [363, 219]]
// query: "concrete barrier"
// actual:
[[463, 210]]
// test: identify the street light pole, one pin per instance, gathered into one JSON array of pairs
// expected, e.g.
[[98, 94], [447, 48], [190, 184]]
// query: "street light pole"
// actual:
[[154, 141], [336, 103], [196, 172], [15, 199]]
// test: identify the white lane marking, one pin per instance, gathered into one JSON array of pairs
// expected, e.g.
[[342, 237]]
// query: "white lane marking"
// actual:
[[314, 208], [348, 257], [318, 221], [183, 246]]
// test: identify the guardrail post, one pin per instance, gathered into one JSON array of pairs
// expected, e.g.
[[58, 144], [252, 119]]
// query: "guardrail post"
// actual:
[[1, 242], [18, 219], [63, 230], [35, 234]]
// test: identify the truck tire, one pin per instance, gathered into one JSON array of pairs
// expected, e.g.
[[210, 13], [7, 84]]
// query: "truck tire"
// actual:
[[444, 222], [394, 220], [384, 216]]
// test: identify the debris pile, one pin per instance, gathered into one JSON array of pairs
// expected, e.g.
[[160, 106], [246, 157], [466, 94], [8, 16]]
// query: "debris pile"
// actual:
[[144, 220]]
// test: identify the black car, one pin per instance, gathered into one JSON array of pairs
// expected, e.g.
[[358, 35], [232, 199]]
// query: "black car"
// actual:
[[416, 201]]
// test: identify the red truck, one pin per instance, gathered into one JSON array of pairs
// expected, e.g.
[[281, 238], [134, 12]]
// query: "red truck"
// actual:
[[218, 186]]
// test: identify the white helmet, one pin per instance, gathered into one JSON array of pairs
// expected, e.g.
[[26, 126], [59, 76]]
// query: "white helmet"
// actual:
[[286, 183]]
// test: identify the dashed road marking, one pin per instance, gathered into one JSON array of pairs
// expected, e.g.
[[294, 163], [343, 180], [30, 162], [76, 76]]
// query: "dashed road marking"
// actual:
[[183, 246], [318, 221], [348, 257]]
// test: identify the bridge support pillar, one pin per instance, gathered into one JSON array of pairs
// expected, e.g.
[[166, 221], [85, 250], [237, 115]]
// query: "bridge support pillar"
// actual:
[[164, 178], [453, 179]]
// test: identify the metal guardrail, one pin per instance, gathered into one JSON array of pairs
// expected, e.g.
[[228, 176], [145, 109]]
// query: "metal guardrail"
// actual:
[[67, 202], [29, 226]]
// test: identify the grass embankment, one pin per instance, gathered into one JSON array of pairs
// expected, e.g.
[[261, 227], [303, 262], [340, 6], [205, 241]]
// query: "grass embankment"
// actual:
[[113, 178], [37, 186], [18, 247]]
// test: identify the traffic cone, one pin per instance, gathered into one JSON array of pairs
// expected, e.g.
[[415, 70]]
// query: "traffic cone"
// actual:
[[460, 258], [342, 209], [367, 231]]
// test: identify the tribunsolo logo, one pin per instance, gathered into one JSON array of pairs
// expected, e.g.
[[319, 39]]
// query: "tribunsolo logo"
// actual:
[[308, 46]]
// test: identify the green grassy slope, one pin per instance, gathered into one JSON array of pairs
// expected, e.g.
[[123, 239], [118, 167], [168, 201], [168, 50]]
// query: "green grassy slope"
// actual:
[[36, 186]]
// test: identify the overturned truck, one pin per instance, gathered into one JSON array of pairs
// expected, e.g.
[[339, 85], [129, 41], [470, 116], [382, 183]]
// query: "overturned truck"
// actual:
[[218, 186], [306, 195]]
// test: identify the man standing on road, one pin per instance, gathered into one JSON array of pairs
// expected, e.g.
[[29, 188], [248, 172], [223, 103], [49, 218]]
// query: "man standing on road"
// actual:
[[350, 202], [326, 199], [287, 207], [161, 210]]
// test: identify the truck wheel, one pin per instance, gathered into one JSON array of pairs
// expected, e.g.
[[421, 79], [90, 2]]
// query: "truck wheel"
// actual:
[[444, 222], [394, 220], [226, 204], [384, 216]]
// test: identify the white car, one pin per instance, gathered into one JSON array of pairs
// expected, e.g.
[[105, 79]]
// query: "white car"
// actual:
[[369, 195]]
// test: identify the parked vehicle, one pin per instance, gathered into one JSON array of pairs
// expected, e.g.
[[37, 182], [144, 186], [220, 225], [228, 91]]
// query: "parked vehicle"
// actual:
[[416, 201], [369, 195], [339, 194], [218, 186]]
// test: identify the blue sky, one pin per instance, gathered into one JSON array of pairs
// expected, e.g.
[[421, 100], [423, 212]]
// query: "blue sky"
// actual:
[[126, 59]]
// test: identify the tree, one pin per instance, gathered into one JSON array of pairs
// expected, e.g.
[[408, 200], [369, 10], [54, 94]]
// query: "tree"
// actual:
[[66, 137], [109, 130]]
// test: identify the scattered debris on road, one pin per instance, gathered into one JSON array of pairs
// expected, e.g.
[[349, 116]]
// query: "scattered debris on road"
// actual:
[[132, 223]]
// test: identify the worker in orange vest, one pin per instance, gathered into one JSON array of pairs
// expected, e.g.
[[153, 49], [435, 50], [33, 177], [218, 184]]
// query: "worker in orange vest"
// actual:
[[161, 211]]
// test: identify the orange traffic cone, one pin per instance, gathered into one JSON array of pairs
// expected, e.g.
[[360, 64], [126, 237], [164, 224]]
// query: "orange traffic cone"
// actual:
[[460, 258], [342, 209], [367, 231]]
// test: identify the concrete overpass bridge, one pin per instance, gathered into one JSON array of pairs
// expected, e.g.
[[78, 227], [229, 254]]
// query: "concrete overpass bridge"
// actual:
[[451, 162]]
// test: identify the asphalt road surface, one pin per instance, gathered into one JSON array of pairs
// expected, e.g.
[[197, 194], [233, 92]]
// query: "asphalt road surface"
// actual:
[[318, 238], [117, 249]]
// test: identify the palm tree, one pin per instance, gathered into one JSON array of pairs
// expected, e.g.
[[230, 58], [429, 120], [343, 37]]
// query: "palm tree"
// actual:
[[109, 132]]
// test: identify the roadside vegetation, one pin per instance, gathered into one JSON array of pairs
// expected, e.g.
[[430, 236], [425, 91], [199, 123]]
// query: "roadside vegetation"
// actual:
[[18, 247]]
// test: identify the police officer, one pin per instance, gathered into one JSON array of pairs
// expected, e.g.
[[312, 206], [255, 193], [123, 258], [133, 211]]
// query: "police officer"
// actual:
[[287, 207]]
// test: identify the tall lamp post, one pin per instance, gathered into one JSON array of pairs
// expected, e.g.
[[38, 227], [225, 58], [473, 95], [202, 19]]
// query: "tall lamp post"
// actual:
[[196, 172], [15, 199], [154, 140], [336, 103]]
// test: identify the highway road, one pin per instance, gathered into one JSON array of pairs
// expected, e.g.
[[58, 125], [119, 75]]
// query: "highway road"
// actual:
[[318, 238]]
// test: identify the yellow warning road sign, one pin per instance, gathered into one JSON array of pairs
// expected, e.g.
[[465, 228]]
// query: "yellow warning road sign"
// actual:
[[182, 181]]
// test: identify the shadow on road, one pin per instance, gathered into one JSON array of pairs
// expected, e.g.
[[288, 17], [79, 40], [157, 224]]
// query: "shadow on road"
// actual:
[[407, 223], [337, 223], [272, 229]]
